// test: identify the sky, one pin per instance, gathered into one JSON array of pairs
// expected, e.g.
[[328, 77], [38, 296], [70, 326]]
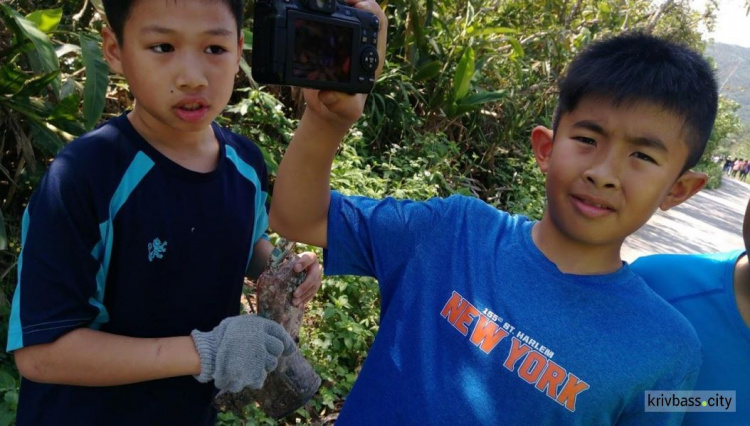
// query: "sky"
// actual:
[[732, 24]]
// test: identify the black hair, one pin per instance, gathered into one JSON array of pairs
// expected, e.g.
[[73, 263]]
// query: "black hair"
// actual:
[[118, 11], [637, 67]]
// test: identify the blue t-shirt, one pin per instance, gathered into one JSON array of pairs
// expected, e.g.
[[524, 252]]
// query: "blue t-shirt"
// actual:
[[119, 238], [477, 326], [701, 287]]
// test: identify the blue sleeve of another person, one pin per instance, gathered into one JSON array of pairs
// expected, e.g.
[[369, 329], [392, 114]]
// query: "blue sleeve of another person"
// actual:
[[701, 288]]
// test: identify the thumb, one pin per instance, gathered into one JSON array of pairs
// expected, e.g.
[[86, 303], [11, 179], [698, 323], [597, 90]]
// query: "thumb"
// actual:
[[327, 97]]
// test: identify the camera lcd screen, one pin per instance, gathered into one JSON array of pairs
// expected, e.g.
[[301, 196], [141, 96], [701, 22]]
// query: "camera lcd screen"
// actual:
[[322, 51]]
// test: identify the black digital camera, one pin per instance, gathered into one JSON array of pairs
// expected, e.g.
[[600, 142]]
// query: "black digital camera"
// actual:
[[321, 44]]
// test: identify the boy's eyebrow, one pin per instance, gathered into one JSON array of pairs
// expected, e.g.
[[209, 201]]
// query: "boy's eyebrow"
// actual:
[[643, 141], [647, 142], [590, 125], [223, 32]]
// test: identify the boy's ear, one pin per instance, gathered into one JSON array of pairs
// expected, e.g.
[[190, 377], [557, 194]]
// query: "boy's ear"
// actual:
[[684, 187], [541, 143], [111, 50]]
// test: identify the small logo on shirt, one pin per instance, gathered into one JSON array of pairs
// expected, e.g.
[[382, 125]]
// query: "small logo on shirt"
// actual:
[[156, 249]]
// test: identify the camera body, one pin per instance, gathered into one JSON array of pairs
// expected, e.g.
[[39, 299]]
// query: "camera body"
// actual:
[[321, 44]]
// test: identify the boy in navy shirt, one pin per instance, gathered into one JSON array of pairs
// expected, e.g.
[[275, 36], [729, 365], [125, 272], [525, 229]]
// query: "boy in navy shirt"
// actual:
[[136, 243], [489, 318]]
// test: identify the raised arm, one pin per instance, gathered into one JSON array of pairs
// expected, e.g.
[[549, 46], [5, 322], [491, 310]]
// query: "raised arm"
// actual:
[[301, 196]]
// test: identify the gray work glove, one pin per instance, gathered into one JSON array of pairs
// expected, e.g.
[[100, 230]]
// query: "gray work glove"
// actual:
[[241, 351]]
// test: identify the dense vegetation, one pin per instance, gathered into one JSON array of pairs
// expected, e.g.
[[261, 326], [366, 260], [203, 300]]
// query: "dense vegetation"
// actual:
[[464, 83]]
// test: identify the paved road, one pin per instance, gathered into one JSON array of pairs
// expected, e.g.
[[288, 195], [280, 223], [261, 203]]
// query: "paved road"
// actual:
[[710, 221]]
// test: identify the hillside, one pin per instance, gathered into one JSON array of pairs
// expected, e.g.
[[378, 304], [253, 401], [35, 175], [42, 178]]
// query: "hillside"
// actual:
[[733, 64]]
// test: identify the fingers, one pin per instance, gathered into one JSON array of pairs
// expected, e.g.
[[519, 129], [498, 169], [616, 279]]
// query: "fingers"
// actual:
[[281, 342], [308, 262], [305, 260], [374, 8]]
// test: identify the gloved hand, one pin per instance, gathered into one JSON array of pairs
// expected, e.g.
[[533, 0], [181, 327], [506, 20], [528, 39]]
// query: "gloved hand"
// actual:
[[241, 351]]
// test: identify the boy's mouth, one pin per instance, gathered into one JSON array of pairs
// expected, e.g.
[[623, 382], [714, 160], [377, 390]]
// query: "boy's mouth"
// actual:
[[191, 104], [191, 107], [192, 110], [591, 205]]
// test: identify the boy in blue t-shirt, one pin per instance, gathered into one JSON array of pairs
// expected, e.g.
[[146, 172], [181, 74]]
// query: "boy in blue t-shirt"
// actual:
[[713, 292], [136, 242], [489, 318]]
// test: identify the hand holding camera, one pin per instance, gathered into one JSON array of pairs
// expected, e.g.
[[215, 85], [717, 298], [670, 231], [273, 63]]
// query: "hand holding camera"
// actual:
[[320, 44]]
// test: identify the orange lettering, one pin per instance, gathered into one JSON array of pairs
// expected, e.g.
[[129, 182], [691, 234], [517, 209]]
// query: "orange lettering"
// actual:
[[532, 366], [488, 334], [570, 392], [552, 378], [517, 350], [455, 306], [466, 318]]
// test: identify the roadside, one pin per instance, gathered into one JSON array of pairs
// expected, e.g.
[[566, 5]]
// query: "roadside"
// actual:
[[711, 221]]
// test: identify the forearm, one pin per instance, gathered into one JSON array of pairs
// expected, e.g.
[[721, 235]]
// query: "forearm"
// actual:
[[299, 210], [86, 357], [261, 253]]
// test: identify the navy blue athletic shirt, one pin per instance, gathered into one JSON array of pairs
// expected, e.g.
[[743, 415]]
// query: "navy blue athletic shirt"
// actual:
[[119, 238]]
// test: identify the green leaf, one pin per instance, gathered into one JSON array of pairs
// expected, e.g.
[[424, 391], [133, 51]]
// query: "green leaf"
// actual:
[[64, 116], [461, 109], [482, 98], [34, 109], [516, 47], [464, 74], [6, 416], [36, 85], [46, 20], [248, 42], [97, 79], [45, 139], [43, 58], [427, 71], [7, 381], [11, 80], [11, 398], [474, 32]]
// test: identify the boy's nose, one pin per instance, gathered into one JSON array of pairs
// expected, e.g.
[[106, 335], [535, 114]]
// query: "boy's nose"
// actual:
[[603, 174], [190, 73]]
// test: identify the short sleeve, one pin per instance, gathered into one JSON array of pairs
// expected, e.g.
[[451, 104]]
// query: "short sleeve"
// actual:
[[377, 237], [56, 268]]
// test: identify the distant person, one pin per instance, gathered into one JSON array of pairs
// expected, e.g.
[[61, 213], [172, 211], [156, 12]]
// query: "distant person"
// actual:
[[737, 166], [728, 166]]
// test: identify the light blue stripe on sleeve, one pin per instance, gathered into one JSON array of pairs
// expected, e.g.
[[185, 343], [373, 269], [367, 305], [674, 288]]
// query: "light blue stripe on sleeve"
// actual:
[[261, 216], [15, 333], [102, 252]]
